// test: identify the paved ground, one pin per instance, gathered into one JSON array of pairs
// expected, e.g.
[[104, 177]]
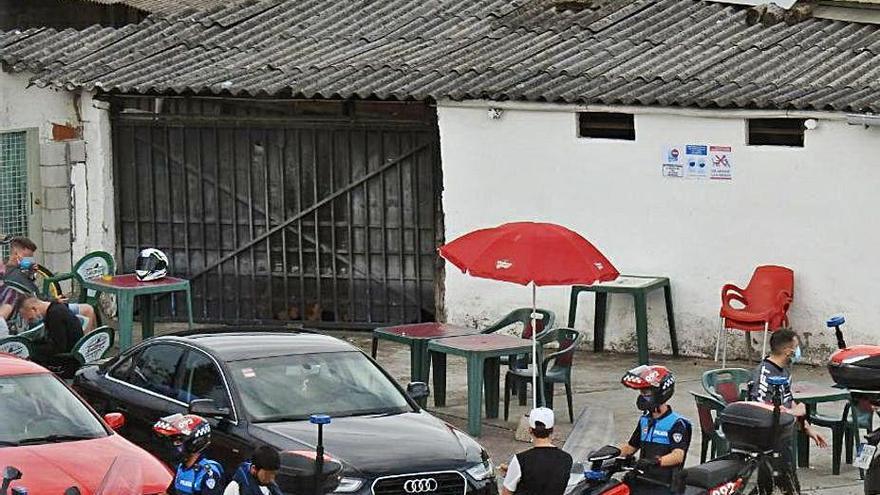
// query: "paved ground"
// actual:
[[597, 385]]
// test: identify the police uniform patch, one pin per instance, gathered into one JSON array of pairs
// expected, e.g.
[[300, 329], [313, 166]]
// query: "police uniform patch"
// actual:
[[677, 437], [210, 483]]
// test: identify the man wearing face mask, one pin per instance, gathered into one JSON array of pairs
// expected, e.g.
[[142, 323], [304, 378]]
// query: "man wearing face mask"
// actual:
[[785, 350], [189, 436], [662, 437]]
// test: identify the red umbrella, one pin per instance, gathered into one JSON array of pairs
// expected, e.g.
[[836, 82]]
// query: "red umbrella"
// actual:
[[530, 253]]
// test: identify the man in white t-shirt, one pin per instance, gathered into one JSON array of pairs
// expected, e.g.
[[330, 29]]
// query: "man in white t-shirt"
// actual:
[[257, 476]]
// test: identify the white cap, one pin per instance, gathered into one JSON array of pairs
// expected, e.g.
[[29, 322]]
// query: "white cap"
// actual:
[[543, 415]]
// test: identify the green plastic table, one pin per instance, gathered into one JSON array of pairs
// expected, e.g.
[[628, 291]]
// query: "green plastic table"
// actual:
[[417, 336], [126, 288], [483, 353], [638, 286], [812, 394]]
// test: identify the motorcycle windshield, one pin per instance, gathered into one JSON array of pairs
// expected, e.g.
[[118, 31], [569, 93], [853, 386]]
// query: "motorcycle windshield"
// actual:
[[123, 478]]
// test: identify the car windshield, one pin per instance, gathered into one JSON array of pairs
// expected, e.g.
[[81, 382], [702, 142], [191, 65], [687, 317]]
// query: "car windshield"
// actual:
[[39, 409], [295, 386]]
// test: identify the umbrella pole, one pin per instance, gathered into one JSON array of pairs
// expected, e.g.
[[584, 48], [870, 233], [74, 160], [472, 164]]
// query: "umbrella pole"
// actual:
[[535, 370]]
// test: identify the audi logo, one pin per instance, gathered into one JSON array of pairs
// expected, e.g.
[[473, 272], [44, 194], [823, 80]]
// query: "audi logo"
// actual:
[[424, 485]]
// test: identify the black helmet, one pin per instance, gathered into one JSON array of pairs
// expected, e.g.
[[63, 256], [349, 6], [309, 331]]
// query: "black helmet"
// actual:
[[658, 379]]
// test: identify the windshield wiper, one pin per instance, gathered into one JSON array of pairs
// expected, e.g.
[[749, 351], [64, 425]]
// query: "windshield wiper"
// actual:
[[54, 439], [282, 418], [8, 443]]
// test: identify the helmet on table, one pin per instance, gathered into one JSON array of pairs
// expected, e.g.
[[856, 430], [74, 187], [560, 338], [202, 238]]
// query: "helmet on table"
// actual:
[[151, 264]]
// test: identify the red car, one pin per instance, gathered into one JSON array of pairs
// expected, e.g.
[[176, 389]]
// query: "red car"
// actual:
[[56, 441]]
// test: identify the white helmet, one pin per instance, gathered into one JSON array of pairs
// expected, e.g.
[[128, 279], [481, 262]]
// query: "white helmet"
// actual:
[[152, 264]]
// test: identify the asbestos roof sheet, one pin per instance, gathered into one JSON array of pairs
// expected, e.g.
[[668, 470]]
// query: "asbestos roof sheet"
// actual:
[[648, 52], [167, 6]]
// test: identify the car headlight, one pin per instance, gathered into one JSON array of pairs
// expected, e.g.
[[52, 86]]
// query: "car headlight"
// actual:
[[482, 471], [349, 485]]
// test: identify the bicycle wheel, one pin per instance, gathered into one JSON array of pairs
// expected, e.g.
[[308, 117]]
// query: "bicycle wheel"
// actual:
[[53, 291]]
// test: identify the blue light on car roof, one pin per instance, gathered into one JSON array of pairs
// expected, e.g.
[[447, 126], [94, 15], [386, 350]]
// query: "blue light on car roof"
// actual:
[[319, 419]]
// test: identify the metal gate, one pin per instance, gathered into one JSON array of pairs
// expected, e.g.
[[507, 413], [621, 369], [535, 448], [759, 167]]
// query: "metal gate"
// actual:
[[294, 210]]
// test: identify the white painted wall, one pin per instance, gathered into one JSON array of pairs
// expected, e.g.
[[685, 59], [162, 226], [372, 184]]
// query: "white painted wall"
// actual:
[[22, 107], [95, 221], [814, 209], [87, 173]]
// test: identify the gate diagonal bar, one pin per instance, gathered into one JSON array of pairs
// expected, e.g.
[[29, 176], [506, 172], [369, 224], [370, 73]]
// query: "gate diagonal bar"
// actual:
[[311, 209]]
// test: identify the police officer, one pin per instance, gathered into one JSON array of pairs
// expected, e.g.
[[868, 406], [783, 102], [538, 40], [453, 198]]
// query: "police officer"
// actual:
[[662, 437], [190, 435], [257, 476]]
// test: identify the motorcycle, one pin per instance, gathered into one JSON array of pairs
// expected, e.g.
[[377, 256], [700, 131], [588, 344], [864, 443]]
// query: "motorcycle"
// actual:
[[757, 434], [599, 478], [857, 369]]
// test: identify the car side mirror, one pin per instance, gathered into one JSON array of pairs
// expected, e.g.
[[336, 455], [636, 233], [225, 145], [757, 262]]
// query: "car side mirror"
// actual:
[[11, 473], [114, 420], [207, 408], [418, 390], [72, 491]]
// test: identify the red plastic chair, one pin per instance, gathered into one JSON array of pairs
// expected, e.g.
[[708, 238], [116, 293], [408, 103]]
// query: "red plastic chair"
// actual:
[[766, 300]]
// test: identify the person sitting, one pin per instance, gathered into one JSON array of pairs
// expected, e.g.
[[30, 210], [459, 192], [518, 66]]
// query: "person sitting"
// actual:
[[662, 437], [63, 330], [257, 476], [21, 248]]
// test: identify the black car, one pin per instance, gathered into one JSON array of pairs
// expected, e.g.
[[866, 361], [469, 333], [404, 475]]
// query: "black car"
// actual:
[[265, 385]]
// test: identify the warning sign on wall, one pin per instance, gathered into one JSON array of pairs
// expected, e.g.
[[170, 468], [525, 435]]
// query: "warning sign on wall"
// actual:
[[722, 160], [697, 161]]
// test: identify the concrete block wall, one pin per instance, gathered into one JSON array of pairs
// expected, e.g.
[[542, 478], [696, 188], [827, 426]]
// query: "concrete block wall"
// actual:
[[56, 162]]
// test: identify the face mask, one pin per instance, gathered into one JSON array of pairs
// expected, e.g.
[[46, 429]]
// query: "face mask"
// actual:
[[27, 263], [797, 355], [645, 403]]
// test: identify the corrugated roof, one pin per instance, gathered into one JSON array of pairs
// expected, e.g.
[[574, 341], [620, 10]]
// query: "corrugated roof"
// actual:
[[648, 52], [167, 6]]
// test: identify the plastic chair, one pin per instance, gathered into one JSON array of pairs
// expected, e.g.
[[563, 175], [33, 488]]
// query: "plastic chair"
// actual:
[[766, 301], [17, 346], [523, 316], [839, 427], [555, 368], [713, 442], [727, 385], [93, 346], [91, 266]]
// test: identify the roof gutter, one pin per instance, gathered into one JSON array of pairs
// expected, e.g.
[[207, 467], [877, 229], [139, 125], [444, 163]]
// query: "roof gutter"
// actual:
[[865, 119], [637, 109]]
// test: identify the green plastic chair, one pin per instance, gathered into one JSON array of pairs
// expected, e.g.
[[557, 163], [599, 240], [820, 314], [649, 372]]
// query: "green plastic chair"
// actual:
[[93, 346], [17, 346], [713, 442], [727, 384], [93, 265], [37, 333], [523, 316], [555, 368]]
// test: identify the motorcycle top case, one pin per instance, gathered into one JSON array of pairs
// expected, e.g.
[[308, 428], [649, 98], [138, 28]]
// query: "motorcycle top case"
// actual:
[[856, 367], [749, 426]]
